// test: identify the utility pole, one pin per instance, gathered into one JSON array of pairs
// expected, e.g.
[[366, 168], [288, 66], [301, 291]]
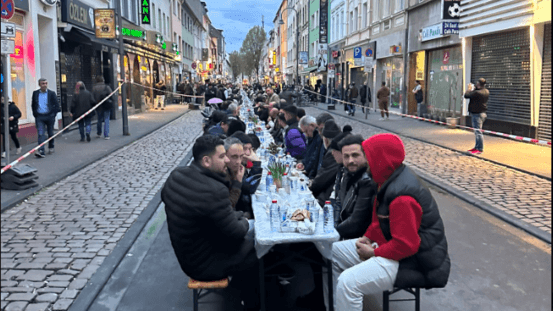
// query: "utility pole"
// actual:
[[124, 114], [262, 22]]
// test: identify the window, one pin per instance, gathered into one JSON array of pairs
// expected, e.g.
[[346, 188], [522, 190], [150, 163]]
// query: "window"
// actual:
[[350, 22], [159, 20], [376, 10], [168, 26], [364, 14], [342, 24], [398, 6], [355, 19], [387, 25], [386, 8], [175, 7], [178, 11], [154, 15]]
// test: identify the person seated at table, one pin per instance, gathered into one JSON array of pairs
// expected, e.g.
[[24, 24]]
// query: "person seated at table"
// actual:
[[222, 123], [301, 113], [321, 119], [337, 154], [272, 97], [256, 143], [323, 183], [232, 110], [207, 234], [312, 161], [406, 230], [235, 170], [252, 176], [278, 130], [294, 140], [235, 125], [272, 121], [356, 190]]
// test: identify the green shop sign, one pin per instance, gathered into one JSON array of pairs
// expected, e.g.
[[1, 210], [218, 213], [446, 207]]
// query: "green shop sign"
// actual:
[[133, 33]]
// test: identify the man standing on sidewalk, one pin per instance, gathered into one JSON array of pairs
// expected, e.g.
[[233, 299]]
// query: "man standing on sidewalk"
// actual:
[[363, 94], [101, 91], [383, 97], [478, 106], [45, 106], [353, 93], [418, 97]]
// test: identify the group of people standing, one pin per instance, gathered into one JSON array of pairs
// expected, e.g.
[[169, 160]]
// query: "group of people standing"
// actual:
[[389, 224]]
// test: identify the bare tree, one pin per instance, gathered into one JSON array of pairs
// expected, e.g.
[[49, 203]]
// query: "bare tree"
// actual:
[[252, 49]]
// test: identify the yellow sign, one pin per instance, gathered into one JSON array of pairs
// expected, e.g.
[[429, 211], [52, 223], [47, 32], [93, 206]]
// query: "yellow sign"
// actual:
[[104, 22], [276, 69]]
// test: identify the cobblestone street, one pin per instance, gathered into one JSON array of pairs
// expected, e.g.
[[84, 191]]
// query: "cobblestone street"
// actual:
[[522, 195], [56, 240]]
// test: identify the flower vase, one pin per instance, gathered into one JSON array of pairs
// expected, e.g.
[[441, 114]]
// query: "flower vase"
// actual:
[[278, 183]]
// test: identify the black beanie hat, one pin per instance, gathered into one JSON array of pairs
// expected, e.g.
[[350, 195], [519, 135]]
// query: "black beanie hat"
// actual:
[[334, 143], [291, 109], [330, 129], [243, 137]]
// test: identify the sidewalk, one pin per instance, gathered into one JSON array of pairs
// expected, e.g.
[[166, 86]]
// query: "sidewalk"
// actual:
[[72, 155], [509, 267], [526, 157]]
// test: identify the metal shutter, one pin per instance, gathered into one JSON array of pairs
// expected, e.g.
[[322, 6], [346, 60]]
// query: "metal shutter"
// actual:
[[503, 59], [544, 128]]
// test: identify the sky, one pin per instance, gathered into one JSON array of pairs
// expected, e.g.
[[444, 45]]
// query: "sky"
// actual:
[[237, 17]]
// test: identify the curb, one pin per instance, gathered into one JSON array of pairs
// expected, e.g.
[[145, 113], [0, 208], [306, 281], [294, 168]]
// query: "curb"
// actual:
[[29, 192], [510, 219], [99, 279], [445, 147]]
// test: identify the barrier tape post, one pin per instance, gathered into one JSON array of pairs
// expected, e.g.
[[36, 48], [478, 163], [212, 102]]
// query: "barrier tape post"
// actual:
[[7, 167], [515, 137]]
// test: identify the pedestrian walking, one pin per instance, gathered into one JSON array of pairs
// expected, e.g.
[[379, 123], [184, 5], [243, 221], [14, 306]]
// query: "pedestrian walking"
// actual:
[[419, 97], [383, 97], [160, 98], [101, 91], [45, 106], [13, 118], [352, 98], [478, 106], [82, 102], [188, 91], [323, 92], [365, 92]]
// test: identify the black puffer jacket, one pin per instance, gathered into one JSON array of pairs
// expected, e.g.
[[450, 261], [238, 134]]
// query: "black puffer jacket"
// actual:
[[323, 184], [81, 103], [16, 114], [204, 229], [356, 195]]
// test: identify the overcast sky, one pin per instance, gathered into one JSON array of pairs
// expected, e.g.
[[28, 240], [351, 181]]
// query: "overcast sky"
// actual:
[[237, 17]]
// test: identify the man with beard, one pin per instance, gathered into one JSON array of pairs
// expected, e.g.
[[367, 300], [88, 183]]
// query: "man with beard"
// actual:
[[207, 235], [311, 161]]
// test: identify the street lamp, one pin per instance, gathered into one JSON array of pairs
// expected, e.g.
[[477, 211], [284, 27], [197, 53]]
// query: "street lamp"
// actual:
[[281, 22]]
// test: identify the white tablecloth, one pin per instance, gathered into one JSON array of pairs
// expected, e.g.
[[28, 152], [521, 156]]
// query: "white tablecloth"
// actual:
[[265, 239]]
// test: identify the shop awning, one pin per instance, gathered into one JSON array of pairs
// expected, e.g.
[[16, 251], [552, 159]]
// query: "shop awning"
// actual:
[[96, 43], [309, 70]]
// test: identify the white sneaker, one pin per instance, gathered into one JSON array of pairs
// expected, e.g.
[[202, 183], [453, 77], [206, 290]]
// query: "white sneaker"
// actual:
[[18, 150], [3, 154], [380, 119], [106, 138]]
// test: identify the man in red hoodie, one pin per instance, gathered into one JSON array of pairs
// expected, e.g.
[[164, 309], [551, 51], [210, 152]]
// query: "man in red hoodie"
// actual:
[[405, 244]]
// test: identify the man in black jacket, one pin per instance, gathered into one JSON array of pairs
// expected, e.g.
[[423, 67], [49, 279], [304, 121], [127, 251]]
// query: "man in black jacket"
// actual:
[[478, 106], [364, 93], [207, 235], [80, 104], [356, 191], [45, 106], [323, 183]]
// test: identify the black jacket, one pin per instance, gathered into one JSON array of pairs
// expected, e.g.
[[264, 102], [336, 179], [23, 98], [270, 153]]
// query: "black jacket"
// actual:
[[287, 95], [14, 112], [101, 91], [188, 89], [356, 196], [430, 266], [478, 100], [363, 93], [322, 185], [311, 159], [204, 229], [81, 103], [53, 103]]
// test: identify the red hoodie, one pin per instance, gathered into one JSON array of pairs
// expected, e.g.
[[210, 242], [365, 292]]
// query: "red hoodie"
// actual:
[[385, 153]]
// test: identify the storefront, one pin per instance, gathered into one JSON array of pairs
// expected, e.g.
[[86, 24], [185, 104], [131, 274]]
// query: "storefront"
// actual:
[[544, 127]]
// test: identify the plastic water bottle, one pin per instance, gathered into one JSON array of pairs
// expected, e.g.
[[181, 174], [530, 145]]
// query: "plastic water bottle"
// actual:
[[269, 181], [275, 216], [328, 217], [286, 182]]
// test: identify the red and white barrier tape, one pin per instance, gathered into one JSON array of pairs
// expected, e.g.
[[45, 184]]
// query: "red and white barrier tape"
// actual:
[[515, 137], [7, 167], [156, 89]]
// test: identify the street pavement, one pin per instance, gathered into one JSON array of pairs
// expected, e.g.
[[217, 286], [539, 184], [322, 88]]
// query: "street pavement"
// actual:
[[53, 242], [72, 155], [510, 193], [494, 267]]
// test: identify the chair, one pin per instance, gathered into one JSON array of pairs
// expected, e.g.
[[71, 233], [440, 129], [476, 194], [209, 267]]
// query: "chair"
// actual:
[[208, 286], [415, 291]]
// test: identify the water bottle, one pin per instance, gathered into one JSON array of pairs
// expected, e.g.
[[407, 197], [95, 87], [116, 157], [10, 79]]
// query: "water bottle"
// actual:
[[269, 181], [275, 216], [286, 182], [328, 225]]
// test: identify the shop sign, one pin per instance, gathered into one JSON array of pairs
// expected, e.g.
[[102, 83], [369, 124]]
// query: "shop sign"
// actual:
[[323, 22], [451, 9], [304, 57], [450, 28], [335, 54], [22, 5], [104, 21], [77, 13], [145, 11], [322, 60], [432, 32], [395, 49], [134, 33]]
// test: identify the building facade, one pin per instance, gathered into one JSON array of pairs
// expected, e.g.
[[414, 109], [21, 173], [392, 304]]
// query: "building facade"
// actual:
[[508, 42]]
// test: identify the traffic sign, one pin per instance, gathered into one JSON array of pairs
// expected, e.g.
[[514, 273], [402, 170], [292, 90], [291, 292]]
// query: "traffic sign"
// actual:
[[8, 30], [369, 52], [193, 65], [8, 46], [357, 52], [7, 9]]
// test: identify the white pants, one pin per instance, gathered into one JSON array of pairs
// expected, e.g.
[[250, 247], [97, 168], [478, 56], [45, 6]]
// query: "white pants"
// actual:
[[160, 102], [354, 278]]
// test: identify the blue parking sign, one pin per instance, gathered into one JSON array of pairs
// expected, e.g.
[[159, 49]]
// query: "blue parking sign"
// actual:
[[357, 52]]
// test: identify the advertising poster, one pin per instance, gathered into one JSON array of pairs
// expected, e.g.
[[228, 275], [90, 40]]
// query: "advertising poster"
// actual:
[[104, 21], [322, 57]]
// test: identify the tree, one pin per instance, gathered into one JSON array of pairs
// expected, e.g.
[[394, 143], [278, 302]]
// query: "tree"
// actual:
[[236, 65], [252, 49]]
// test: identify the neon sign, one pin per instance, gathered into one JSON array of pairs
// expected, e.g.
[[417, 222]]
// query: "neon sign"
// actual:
[[145, 6]]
